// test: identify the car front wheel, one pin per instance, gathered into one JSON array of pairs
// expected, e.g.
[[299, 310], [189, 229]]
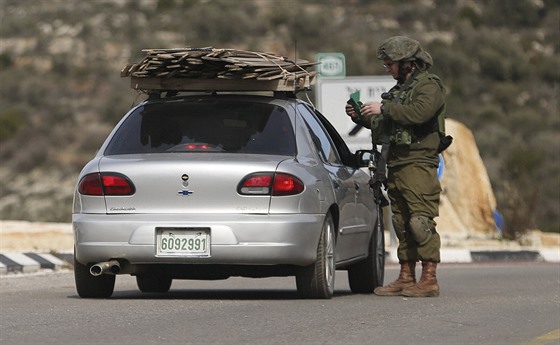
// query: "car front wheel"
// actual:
[[317, 279], [366, 275]]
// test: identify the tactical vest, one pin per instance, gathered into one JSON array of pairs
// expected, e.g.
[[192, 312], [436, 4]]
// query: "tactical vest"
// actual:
[[405, 135]]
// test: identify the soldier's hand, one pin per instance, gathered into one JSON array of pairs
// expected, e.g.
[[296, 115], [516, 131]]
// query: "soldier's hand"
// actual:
[[350, 111], [371, 109]]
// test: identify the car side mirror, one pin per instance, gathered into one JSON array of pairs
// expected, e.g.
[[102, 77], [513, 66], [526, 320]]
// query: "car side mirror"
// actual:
[[362, 158]]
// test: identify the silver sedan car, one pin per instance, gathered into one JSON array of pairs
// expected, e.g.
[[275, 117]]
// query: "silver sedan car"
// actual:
[[214, 186]]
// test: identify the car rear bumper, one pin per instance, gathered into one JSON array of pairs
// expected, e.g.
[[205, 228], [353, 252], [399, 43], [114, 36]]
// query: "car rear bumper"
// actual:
[[236, 239]]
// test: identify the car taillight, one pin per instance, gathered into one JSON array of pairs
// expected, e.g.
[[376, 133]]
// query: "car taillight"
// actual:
[[279, 184], [285, 184], [90, 185], [105, 184], [117, 185]]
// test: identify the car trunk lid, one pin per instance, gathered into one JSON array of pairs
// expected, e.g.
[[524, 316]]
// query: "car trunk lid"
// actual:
[[188, 183]]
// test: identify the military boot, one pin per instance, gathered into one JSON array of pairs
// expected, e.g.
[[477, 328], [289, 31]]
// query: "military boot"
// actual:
[[407, 278], [428, 285]]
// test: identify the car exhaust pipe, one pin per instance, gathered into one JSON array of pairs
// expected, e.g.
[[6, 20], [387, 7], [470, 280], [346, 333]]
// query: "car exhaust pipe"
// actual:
[[106, 267]]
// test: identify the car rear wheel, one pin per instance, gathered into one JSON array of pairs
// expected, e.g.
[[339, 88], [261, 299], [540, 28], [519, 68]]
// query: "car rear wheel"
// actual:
[[317, 279], [153, 283], [368, 274], [89, 286]]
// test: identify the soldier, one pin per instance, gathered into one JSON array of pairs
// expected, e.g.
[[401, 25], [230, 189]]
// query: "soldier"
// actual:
[[412, 117]]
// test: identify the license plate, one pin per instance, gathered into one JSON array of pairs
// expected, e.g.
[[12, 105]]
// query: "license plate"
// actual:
[[183, 242]]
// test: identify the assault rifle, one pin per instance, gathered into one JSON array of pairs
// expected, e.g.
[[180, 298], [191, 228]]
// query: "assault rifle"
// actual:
[[377, 162], [378, 178], [377, 172]]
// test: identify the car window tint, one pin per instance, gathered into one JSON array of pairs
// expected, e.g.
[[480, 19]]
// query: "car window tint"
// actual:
[[322, 141], [205, 126], [341, 147]]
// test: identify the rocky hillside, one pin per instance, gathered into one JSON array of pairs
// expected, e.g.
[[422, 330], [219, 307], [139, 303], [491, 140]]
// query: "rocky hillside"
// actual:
[[61, 92]]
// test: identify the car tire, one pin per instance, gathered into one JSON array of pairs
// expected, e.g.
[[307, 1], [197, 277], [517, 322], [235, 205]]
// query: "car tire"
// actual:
[[153, 283], [89, 286], [317, 280], [366, 275]]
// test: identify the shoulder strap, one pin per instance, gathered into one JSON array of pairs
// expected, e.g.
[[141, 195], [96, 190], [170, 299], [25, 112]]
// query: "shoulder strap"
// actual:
[[410, 82]]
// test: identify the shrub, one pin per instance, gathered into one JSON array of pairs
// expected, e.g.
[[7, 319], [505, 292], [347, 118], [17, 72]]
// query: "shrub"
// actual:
[[11, 121]]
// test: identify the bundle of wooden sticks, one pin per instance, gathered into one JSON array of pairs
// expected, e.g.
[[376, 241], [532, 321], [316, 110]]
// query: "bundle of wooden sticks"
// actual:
[[211, 63]]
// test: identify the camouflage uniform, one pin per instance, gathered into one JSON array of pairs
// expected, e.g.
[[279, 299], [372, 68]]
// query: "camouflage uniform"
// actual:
[[413, 186], [410, 115]]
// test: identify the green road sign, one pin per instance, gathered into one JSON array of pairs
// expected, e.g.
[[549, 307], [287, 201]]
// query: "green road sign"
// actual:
[[332, 64]]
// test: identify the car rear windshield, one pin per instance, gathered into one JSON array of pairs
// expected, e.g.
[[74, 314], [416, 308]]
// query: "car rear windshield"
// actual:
[[205, 126]]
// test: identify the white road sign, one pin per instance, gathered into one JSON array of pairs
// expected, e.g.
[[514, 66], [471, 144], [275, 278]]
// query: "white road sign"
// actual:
[[331, 96]]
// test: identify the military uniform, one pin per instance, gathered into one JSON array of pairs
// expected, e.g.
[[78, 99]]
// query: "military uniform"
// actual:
[[413, 186], [410, 125]]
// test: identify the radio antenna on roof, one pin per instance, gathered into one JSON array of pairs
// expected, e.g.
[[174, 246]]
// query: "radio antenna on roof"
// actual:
[[295, 52]]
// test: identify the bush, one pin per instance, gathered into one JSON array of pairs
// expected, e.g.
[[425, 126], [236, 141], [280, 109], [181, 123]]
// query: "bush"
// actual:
[[11, 121]]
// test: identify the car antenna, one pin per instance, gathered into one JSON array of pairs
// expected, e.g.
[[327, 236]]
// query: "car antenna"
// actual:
[[295, 62]]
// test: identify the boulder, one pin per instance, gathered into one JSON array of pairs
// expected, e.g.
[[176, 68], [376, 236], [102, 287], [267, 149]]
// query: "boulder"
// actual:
[[467, 200]]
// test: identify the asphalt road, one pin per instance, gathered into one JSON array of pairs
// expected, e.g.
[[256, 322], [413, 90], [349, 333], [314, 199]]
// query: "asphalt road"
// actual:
[[497, 303]]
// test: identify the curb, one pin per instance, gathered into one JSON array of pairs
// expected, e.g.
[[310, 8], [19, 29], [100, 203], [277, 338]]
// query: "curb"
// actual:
[[472, 256], [33, 262], [30, 262]]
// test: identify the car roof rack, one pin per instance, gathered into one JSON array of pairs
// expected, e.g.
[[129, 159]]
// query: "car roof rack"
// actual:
[[210, 69]]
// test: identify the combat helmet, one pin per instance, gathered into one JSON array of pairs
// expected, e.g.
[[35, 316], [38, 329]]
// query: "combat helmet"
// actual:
[[402, 48]]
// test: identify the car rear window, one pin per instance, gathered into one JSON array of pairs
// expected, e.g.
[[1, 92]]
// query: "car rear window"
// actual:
[[205, 126]]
